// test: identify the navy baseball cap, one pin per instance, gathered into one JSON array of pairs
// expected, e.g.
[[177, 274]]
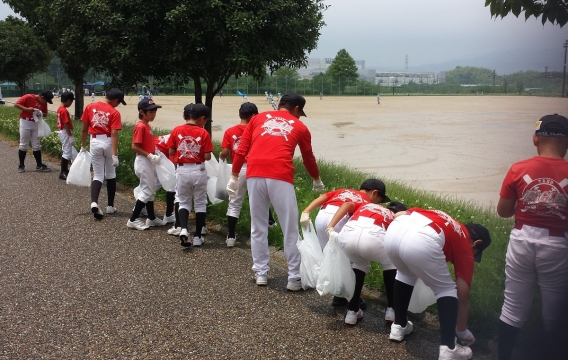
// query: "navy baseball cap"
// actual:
[[552, 125], [115, 94], [396, 206], [479, 232], [66, 96], [247, 109], [294, 100], [375, 184], [197, 110], [47, 95], [148, 104]]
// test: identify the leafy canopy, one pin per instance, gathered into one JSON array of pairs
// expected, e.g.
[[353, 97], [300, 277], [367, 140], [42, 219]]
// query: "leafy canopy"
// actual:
[[343, 65], [555, 11]]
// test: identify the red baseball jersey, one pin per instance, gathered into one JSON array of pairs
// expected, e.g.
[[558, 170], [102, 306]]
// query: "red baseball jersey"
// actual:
[[101, 118], [143, 136], [190, 142], [268, 145], [341, 196], [540, 187], [29, 100], [63, 118], [457, 247], [232, 139], [380, 214], [161, 143]]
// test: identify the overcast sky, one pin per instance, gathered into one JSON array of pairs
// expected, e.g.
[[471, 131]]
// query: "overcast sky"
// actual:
[[435, 34]]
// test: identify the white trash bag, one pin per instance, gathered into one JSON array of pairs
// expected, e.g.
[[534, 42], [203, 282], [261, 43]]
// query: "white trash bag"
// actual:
[[80, 171], [74, 154], [166, 172], [43, 129], [336, 276], [312, 257], [223, 176], [211, 166], [137, 192], [211, 185], [422, 297]]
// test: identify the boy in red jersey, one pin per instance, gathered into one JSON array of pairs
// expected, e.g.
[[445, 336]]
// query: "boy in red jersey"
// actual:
[[191, 146], [144, 166], [29, 104], [268, 145], [535, 191], [103, 122], [419, 243], [65, 126]]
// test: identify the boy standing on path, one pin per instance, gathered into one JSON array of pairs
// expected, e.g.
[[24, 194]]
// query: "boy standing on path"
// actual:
[[268, 145], [65, 126], [103, 122], [535, 192], [30, 104]]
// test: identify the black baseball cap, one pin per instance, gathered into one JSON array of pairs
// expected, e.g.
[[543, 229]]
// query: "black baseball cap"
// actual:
[[552, 125], [247, 109], [375, 184], [148, 104], [47, 95], [479, 232], [66, 96], [115, 94], [294, 100], [197, 110], [396, 206]]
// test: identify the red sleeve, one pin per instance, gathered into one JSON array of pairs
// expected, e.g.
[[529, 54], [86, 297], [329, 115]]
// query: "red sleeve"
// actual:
[[171, 144], [508, 190], [463, 267], [85, 116], [43, 108], [226, 143], [308, 155], [244, 146], [115, 121], [138, 135], [22, 100]]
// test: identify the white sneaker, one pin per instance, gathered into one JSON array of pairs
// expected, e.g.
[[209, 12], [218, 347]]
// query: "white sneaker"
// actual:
[[144, 212], [170, 219], [197, 241], [230, 242], [204, 230], [398, 332], [155, 222], [97, 213], [389, 314], [261, 280], [184, 238], [137, 224], [174, 231], [459, 352], [352, 317], [294, 285], [110, 210]]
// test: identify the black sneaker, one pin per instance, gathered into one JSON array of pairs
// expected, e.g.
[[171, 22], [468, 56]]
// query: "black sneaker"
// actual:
[[21, 168], [339, 301], [42, 168], [62, 176]]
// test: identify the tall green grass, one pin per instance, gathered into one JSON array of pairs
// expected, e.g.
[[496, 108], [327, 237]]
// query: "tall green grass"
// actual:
[[488, 282]]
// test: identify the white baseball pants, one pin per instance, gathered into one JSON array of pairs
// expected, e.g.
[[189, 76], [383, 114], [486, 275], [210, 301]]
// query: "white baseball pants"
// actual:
[[101, 158], [28, 131], [236, 202], [191, 187], [363, 241], [323, 218], [65, 146], [534, 257], [144, 169], [415, 249], [282, 196]]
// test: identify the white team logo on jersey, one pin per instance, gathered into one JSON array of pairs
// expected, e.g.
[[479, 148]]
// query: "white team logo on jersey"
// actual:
[[379, 210], [189, 147], [58, 120], [277, 126], [544, 196], [100, 120], [163, 139], [237, 142], [348, 195], [449, 221]]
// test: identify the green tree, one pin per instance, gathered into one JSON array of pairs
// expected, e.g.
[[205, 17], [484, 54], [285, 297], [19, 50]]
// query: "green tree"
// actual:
[[555, 11], [469, 75], [23, 53], [341, 69]]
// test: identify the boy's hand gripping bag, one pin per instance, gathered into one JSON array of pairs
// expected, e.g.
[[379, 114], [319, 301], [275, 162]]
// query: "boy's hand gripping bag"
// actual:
[[312, 256], [336, 276], [80, 171]]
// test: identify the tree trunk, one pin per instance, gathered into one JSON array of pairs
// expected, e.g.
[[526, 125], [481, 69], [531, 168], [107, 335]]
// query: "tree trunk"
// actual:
[[209, 94], [22, 85], [198, 90], [79, 97]]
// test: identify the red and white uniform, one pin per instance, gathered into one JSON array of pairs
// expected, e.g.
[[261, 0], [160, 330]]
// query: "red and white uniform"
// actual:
[[231, 141], [62, 119], [268, 144], [143, 167], [329, 208], [538, 245], [421, 242], [362, 237], [101, 118], [161, 143], [28, 127], [190, 143]]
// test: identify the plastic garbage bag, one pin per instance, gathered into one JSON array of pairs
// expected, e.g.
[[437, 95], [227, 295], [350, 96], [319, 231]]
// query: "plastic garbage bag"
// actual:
[[80, 171], [211, 185], [166, 172], [422, 297], [43, 129], [336, 276], [211, 166], [312, 256], [223, 175], [74, 153]]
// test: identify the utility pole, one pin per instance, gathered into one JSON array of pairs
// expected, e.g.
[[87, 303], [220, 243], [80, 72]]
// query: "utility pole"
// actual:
[[564, 73]]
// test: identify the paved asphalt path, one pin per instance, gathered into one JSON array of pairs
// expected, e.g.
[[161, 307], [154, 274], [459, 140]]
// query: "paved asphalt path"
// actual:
[[72, 287]]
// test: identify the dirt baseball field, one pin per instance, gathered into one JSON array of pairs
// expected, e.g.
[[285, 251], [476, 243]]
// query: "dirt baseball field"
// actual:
[[454, 145]]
